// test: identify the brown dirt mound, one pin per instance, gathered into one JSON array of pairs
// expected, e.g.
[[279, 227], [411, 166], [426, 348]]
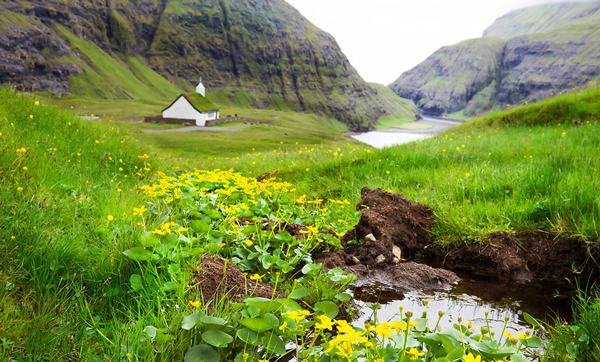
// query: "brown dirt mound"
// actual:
[[215, 281], [393, 220], [526, 256], [368, 250]]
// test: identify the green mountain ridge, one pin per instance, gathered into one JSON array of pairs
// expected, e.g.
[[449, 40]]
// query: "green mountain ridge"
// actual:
[[543, 18], [259, 53], [491, 72]]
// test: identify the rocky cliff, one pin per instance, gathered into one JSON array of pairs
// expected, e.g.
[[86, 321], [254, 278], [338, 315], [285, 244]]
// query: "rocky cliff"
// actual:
[[489, 72], [260, 53], [539, 19]]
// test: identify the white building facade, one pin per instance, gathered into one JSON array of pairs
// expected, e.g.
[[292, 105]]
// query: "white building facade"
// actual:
[[182, 108], [200, 88]]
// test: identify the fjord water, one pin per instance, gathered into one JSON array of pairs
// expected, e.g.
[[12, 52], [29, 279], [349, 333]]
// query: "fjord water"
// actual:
[[397, 136]]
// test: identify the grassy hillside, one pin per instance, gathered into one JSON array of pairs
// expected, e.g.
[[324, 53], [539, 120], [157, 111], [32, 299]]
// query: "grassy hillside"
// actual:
[[263, 55], [107, 76], [529, 168], [65, 181], [404, 111], [542, 18], [99, 241]]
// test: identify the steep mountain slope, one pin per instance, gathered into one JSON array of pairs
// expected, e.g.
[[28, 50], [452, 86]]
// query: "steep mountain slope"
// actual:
[[543, 18], [480, 74], [440, 85], [260, 53]]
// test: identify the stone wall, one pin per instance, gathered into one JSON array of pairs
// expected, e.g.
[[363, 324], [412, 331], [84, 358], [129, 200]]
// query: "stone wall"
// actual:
[[161, 119], [232, 119]]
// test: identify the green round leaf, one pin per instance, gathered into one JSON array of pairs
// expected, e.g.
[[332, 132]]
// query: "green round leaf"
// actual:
[[533, 342], [202, 353], [327, 308], [217, 338], [138, 254], [299, 293], [249, 337], [136, 282]]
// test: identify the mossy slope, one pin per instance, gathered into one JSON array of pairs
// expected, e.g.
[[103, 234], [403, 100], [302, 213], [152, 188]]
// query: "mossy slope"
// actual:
[[559, 51], [253, 54]]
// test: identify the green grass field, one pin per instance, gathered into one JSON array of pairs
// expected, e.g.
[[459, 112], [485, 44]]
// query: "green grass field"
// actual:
[[84, 277]]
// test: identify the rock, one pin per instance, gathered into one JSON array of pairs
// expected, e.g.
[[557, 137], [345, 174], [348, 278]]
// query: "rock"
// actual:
[[397, 252], [380, 259], [370, 237], [262, 47], [395, 261], [477, 74], [355, 260]]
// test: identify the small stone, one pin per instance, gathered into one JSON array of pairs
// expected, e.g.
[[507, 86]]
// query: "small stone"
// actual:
[[395, 261], [380, 259], [370, 237], [397, 252], [355, 260]]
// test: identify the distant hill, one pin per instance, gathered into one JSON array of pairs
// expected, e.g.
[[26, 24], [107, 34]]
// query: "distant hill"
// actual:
[[259, 53], [539, 19], [526, 56]]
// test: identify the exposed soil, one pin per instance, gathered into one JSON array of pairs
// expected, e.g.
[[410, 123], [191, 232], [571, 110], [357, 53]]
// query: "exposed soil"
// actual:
[[392, 219], [215, 281], [391, 230], [389, 220], [527, 256]]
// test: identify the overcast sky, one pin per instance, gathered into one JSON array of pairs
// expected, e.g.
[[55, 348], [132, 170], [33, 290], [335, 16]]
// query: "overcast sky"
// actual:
[[383, 38]]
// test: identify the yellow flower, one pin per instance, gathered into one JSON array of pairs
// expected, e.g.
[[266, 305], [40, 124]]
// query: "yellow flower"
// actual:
[[139, 210], [21, 150], [324, 322], [248, 243], [467, 174], [25, 168], [564, 134], [194, 304], [12, 237], [31, 116], [283, 326], [523, 336], [256, 276], [19, 188], [307, 169], [471, 358], [144, 156], [110, 218], [128, 355], [414, 352]]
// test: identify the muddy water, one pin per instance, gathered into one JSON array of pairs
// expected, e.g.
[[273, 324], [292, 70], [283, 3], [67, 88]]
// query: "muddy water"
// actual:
[[471, 299]]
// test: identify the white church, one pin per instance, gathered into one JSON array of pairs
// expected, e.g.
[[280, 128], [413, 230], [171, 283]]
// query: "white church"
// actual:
[[188, 108]]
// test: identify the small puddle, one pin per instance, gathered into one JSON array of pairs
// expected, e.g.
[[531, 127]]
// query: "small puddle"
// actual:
[[471, 299]]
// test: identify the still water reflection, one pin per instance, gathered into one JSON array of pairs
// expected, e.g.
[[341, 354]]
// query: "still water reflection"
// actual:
[[471, 299]]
